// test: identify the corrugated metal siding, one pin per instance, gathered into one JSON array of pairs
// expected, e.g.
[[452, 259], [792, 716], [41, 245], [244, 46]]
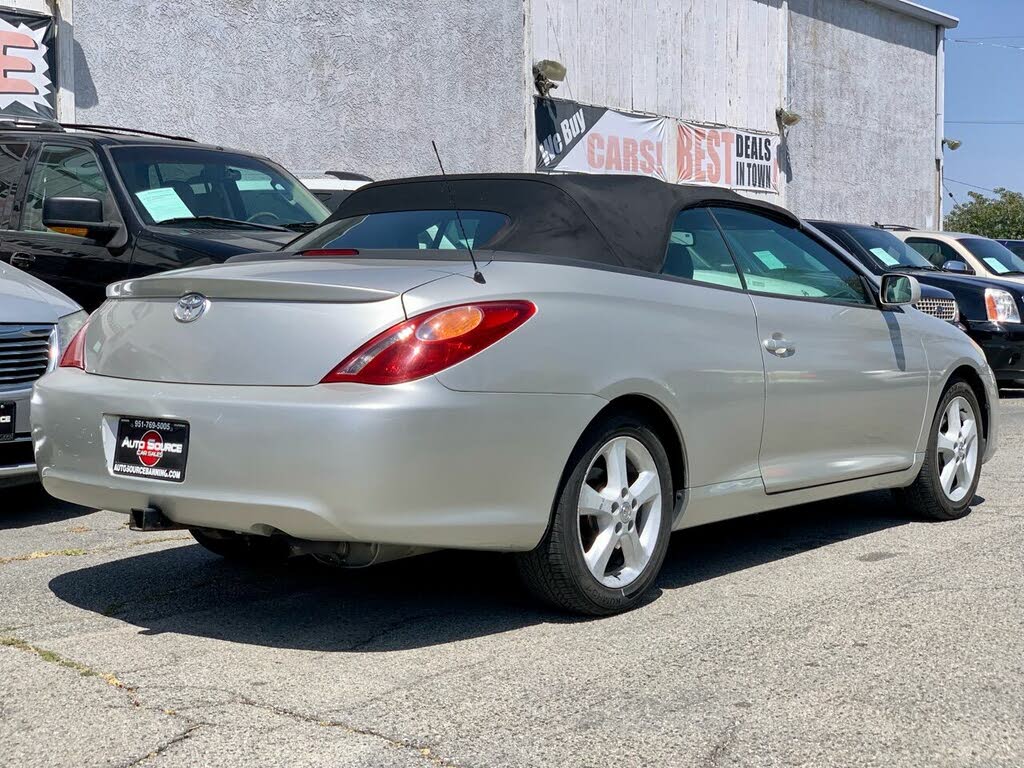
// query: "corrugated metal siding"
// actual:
[[717, 61]]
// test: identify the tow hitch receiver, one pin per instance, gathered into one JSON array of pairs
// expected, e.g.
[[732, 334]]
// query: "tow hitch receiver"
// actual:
[[151, 519]]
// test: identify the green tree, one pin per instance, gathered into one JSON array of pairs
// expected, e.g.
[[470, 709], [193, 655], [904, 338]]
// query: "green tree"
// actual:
[[1000, 217]]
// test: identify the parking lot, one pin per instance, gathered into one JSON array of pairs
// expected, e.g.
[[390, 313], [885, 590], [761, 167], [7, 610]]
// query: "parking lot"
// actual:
[[835, 634]]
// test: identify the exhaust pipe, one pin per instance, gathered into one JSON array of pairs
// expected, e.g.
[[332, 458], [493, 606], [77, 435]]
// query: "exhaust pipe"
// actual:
[[151, 519]]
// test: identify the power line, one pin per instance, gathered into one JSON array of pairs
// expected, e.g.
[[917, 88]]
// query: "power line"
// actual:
[[950, 193], [988, 45], [973, 186], [985, 122], [986, 37]]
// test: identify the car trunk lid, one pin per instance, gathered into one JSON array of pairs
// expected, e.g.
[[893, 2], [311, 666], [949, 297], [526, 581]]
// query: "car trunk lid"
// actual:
[[270, 323]]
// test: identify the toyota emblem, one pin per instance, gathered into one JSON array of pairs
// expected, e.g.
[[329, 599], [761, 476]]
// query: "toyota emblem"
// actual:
[[190, 307]]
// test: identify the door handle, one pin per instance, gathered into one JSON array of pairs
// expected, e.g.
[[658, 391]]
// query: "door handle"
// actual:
[[779, 346], [22, 259]]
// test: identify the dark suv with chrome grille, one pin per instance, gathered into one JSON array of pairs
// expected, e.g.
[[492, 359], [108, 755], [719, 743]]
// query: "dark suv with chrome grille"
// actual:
[[36, 322], [990, 309]]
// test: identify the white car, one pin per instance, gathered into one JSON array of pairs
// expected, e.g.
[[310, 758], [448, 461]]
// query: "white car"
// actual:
[[36, 323], [332, 187], [963, 252]]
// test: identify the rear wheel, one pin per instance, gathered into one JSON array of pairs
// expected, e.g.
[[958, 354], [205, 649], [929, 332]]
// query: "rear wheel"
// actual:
[[611, 523], [241, 547], [952, 467]]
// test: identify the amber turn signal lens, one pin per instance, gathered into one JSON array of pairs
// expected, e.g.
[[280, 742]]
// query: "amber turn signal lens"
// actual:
[[450, 324]]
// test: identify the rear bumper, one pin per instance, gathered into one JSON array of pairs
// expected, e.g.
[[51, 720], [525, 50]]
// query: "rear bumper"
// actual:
[[1003, 346], [415, 464]]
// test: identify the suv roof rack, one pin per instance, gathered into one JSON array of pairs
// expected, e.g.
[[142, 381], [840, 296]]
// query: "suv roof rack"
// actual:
[[14, 122], [894, 227], [114, 130]]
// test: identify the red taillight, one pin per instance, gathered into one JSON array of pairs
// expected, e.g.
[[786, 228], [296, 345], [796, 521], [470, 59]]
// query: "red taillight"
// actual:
[[74, 355], [431, 342], [326, 253]]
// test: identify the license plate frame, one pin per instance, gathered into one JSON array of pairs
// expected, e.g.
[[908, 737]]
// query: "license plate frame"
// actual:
[[152, 449]]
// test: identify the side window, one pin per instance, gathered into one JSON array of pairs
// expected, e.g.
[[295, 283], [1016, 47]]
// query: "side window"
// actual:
[[11, 157], [938, 253], [780, 260], [61, 172], [696, 251]]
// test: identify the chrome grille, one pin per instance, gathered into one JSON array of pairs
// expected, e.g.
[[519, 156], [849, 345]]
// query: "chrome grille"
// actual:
[[24, 354], [944, 309]]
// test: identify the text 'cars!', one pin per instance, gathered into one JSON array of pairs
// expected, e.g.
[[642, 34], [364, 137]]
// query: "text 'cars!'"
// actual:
[[989, 308], [631, 358], [36, 324]]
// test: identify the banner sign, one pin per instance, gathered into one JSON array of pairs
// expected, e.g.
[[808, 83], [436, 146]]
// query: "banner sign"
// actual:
[[573, 137], [581, 138], [27, 66], [727, 157]]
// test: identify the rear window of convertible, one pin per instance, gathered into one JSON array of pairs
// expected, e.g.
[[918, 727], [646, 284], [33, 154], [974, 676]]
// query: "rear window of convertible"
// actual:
[[440, 230]]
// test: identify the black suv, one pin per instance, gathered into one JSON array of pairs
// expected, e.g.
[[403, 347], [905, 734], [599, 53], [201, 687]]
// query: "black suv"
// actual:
[[981, 299], [85, 206]]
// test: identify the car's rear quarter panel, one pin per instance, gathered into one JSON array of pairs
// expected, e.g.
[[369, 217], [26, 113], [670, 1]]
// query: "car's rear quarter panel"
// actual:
[[692, 349]]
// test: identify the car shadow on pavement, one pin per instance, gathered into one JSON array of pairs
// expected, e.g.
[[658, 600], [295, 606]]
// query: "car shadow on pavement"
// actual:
[[22, 506], [429, 600]]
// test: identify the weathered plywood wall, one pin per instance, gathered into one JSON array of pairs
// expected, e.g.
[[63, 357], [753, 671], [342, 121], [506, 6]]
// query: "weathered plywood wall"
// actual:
[[717, 61]]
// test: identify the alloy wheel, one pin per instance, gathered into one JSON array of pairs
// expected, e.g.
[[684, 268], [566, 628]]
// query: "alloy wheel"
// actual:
[[957, 444], [620, 512]]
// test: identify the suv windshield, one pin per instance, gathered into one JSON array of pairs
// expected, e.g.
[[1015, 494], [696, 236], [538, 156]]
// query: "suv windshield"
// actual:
[[887, 250], [172, 184], [998, 258], [419, 230]]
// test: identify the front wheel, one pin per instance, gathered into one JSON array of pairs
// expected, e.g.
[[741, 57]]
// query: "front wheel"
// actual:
[[611, 523], [949, 476]]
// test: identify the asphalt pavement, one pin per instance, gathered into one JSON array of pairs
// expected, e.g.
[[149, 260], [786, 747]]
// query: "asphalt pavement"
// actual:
[[837, 634]]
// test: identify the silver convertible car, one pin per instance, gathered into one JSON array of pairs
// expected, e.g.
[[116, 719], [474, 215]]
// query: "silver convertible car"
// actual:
[[565, 367]]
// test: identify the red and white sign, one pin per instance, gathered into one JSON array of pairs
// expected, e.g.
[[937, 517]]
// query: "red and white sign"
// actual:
[[586, 139], [727, 157], [26, 82]]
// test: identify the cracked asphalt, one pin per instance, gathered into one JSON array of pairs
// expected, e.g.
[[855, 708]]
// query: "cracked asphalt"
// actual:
[[838, 634]]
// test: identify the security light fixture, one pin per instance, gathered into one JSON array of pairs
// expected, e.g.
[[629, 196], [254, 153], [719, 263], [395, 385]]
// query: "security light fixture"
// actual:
[[547, 74], [786, 117], [953, 144]]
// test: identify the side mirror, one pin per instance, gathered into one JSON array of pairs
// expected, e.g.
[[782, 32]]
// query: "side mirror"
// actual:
[[957, 266], [898, 290], [79, 216]]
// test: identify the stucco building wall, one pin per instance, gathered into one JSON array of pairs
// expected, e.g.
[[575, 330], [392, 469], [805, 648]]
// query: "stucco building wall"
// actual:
[[365, 86], [314, 84]]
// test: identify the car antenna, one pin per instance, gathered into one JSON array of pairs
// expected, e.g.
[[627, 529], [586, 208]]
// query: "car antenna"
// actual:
[[477, 274]]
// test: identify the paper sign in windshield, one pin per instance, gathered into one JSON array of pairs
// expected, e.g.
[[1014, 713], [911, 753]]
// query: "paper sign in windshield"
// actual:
[[163, 203], [996, 265], [769, 259], [884, 256]]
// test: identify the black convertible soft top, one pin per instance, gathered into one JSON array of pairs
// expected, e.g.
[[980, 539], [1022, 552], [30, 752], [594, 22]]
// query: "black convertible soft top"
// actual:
[[620, 221]]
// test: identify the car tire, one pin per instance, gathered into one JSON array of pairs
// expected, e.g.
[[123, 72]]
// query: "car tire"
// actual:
[[945, 486], [603, 563], [240, 547]]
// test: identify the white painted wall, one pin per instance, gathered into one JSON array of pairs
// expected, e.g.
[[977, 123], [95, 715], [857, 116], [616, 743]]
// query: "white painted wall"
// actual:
[[716, 61]]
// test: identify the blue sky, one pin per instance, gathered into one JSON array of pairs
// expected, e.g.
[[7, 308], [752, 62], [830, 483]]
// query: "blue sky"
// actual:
[[984, 82]]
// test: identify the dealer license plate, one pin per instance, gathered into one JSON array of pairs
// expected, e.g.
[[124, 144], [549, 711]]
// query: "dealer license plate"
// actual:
[[7, 414], [151, 448]]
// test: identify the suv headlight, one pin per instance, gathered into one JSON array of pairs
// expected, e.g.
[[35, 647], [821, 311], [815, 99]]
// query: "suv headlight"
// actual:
[[65, 330], [1001, 306]]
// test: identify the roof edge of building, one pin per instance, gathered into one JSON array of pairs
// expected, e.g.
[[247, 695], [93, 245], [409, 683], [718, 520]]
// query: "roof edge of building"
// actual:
[[917, 11]]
